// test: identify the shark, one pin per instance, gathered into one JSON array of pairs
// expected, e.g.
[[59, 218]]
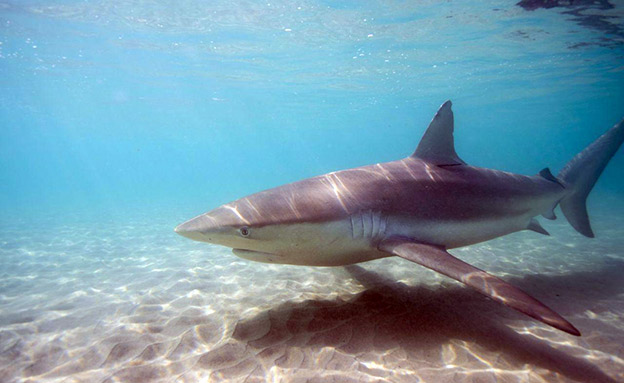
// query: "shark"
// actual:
[[416, 208]]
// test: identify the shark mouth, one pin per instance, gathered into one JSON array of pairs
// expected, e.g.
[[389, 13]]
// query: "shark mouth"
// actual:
[[257, 256]]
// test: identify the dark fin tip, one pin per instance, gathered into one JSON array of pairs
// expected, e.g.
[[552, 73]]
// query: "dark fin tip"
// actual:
[[568, 328]]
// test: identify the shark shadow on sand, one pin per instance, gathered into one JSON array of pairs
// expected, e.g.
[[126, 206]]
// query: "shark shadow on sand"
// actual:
[[420, 321]]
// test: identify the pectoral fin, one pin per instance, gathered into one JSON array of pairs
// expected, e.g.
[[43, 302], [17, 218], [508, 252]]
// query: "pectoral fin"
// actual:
[[438, 259]]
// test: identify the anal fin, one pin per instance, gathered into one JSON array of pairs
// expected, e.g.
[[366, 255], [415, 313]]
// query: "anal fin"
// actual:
[[535, 226], [438, 259]]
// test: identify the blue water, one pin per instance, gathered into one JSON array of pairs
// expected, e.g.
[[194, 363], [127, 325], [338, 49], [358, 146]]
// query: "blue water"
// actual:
[[120, 119]]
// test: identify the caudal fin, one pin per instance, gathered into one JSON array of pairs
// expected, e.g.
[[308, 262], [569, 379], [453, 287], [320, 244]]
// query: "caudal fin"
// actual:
[[581, 173]]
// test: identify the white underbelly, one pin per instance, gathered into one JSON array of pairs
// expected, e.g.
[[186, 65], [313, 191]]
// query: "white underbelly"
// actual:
[[345, 242]]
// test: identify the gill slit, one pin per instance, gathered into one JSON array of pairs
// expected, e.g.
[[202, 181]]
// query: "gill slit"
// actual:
[[368, 224]]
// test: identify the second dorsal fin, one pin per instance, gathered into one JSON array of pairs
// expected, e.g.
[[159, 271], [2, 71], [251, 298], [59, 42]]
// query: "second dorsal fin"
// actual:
[[437, 144], [546, 174]]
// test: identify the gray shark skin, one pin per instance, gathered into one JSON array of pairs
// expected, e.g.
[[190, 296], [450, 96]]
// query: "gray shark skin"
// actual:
[[415, 208]]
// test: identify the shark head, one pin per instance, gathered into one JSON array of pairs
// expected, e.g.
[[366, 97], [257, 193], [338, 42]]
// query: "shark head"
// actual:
[[230, 226], [225, 226], [280, 225]]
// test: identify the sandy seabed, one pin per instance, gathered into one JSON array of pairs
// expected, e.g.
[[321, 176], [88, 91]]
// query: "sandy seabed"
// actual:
[[126, 300]]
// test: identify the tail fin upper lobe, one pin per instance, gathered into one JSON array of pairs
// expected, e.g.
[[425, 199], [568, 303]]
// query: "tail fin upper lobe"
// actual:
[[581, 173]]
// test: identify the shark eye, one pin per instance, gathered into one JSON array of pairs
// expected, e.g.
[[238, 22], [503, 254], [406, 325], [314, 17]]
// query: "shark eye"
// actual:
[[244, 231]]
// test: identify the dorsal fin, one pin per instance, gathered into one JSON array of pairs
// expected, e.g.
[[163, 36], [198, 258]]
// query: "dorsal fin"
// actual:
[[437, 144]]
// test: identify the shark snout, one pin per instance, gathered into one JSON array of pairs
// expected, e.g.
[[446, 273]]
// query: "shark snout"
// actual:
[[197, 228], [217, 226], [186, 231]]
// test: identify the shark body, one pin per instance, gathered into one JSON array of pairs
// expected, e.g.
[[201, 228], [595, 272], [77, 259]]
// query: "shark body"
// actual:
[[415, 208]]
